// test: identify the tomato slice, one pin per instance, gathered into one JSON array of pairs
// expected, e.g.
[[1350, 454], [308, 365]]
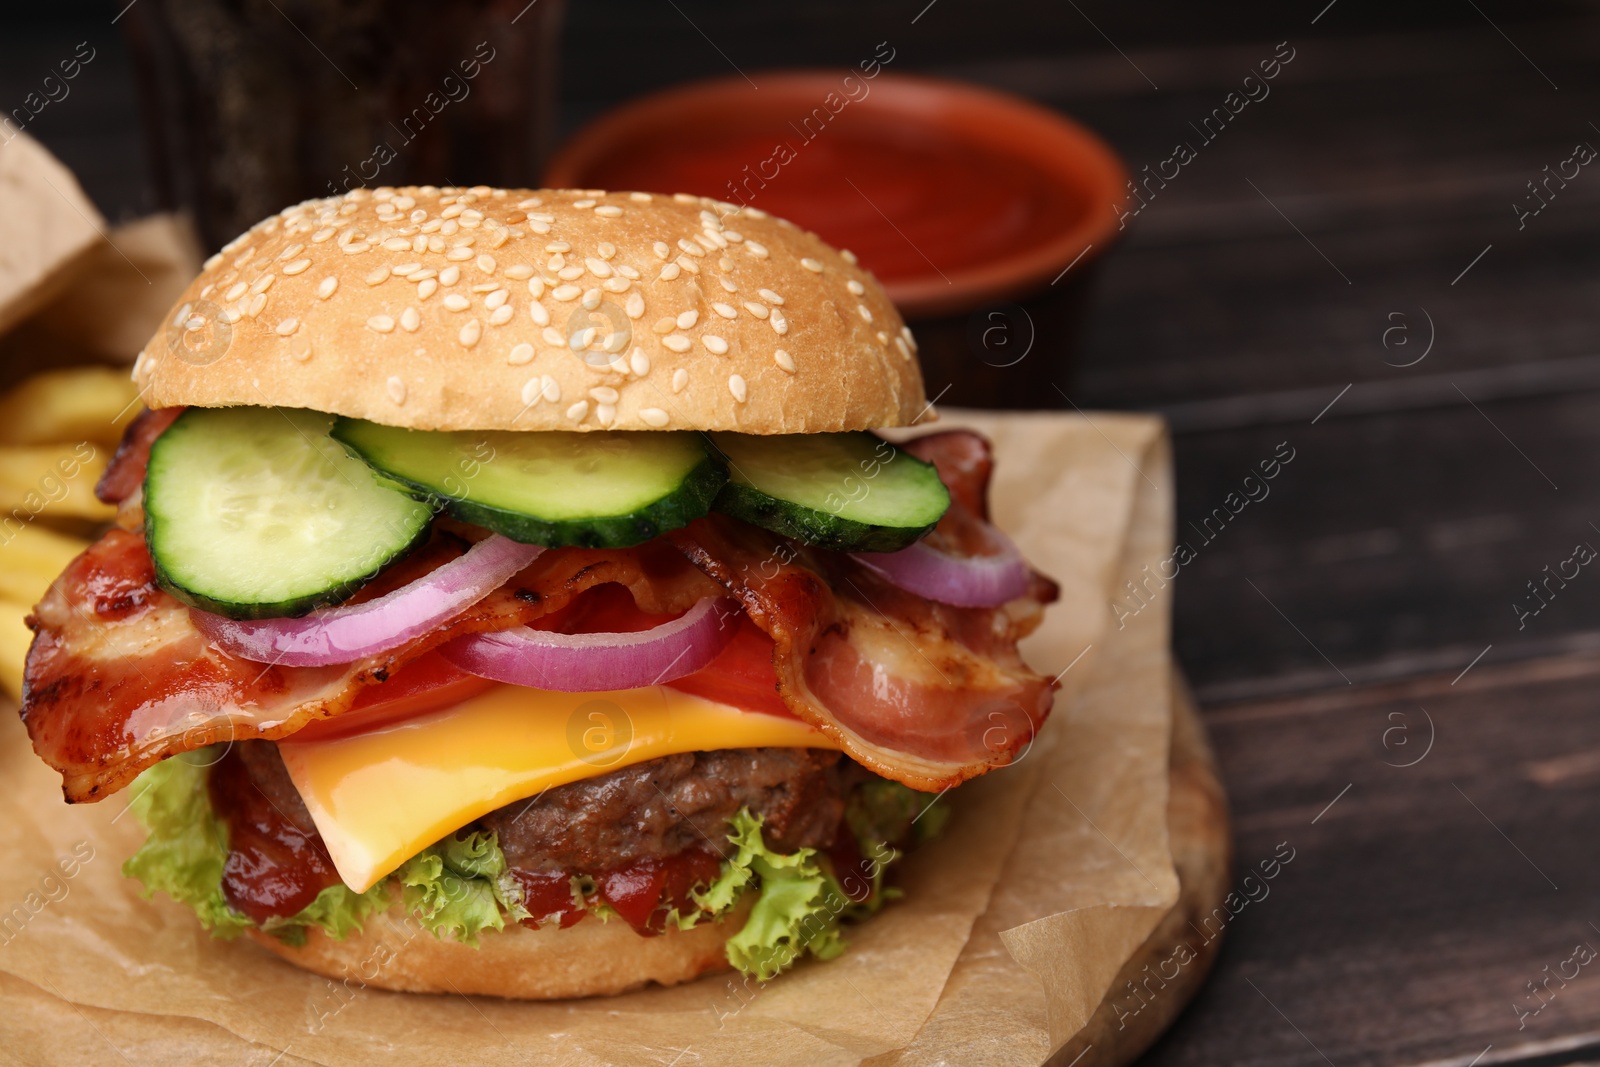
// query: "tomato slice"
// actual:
[[427, 683], [741, 675]]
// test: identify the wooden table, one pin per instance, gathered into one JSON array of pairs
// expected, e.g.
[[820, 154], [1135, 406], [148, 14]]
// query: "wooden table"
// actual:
[[1361, 617]]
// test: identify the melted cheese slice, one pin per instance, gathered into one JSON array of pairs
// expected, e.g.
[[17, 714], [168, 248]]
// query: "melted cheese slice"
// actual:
[[381, 796]]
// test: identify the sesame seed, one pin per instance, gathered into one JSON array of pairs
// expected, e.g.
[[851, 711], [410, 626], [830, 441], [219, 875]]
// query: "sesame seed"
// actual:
[[604, 394], [257, 302], [666, 325], [760, 311], [519, 272], [628, 272], [552, 336], [677, 342], [436, 242], [496, 298], [558, 246], [905, 350], [450, 275], [397, 244], [538, 225], [380, 324], [780, 324], [577, 411], [643, 198], [566, 292], [552, 389], [519, 355], [229, 315], [639, 363], [609, 211], [607, 249], [848, 256], [855, 287], [532, 388], [238, 289], [284, 328], [669, 272], [711, 240], [616, 285], [661, 250], [591, 299], [714, 344], [458, 254], [404, 203], [530, 203], [501, 315], [582, 339], [457, 302], [737, 387], [397, 389], [811, 265], [733, 235], [323, 234], [536, 287], [598, 267], [486, 263], [688, 319], [378, 277], [783, 360], [405, 270], [756, 249], [865, 312], [470, 333], [263, 283], [297, 267], [883, 339], [769, 296], [688, 264], [690, 247], [540, 316], [427, 287], [654, 417], [605, 414], [410, 320], [724, 263], [290, 252], [680, 378], [583, 203]]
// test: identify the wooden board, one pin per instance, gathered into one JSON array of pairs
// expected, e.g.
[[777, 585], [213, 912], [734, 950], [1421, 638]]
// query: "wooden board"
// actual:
[[1128, 1021]]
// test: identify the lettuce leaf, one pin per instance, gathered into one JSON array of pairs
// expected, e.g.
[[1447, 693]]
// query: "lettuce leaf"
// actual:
[[460, 887], [797, 911], [187, 847]]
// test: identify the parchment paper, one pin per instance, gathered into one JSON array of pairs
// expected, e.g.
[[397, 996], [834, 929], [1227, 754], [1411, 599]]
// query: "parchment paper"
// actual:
[[1051, 873]]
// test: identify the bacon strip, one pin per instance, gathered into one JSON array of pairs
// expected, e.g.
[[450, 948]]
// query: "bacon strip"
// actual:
[[924, 693]]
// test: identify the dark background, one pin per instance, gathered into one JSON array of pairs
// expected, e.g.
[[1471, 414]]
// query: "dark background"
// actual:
[[1241, 302]]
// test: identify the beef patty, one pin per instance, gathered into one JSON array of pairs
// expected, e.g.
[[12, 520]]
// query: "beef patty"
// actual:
[[650, 810]]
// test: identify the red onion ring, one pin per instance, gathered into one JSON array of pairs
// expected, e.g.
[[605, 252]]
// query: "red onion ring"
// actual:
[[345, 634], [586, 663], [985, 581]]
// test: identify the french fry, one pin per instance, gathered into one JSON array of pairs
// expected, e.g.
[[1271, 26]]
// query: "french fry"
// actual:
[[52, 480], [31, 557], [15, 637], [93, 403]]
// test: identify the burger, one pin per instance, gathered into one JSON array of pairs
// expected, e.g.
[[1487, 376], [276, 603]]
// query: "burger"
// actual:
[[509, 594]]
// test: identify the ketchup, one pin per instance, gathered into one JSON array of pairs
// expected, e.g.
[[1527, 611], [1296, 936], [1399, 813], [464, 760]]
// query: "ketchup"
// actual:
[[643, 893], [911, 202], [274, 868]]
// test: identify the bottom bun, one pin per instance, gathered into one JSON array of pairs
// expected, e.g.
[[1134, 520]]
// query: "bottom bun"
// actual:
[[592, 958]]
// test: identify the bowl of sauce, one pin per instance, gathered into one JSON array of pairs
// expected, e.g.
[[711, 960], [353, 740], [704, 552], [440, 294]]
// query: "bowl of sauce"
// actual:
[[963, 201]]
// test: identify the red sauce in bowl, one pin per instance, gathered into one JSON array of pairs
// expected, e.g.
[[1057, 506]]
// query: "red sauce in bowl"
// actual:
[[950, 194]]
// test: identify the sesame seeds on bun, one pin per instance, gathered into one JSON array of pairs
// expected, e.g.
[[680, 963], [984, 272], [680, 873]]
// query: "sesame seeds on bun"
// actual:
[[539, 310]]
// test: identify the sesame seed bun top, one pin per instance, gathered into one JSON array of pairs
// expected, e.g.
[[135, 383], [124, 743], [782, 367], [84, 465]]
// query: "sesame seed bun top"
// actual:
[[539, 310]]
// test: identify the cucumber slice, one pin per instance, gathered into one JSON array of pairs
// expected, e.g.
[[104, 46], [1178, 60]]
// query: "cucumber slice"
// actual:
[[594, 490], [256, 513], [849, 491]]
